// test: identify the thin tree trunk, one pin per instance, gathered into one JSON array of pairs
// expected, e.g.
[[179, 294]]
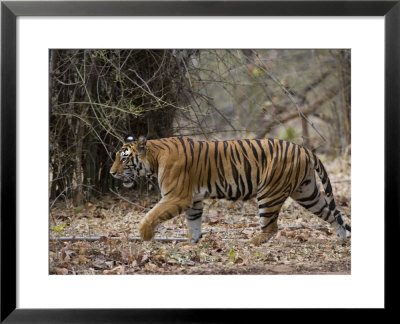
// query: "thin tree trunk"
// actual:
[[304, 126], [52, 66], [78, 190], [343, 104]]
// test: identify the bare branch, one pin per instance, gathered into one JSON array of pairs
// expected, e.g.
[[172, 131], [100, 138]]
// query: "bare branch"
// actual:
[[288, 94]]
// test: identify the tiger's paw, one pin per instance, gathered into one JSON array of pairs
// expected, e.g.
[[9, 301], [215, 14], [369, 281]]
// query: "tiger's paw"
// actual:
[[257, 240], [261, 238], [146, 231], [194, 239], [342, 232]]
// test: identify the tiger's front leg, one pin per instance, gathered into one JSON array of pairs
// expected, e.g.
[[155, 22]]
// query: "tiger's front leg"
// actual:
[[163, 211], [193, 219]]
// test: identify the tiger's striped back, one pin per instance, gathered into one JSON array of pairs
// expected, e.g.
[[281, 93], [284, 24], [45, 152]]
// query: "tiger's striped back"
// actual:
[[233, 169], [189, 171]]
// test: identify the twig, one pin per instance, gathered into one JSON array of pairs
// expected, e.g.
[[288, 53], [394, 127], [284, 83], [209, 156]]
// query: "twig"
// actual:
[[129, 238], [61, 194], [244, 228], [89, 125], [340, 180], [116, 238], [147, 87], [168, 239], [288, 94]]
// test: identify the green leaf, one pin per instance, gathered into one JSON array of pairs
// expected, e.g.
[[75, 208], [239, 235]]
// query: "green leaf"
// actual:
[[288, 134], [232, 255], [59, 228]]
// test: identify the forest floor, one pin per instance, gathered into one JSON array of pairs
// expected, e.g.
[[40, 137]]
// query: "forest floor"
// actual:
[[304, 244]]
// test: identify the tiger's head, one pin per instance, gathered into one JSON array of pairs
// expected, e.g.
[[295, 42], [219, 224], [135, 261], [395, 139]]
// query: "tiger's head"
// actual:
[[128, 164]]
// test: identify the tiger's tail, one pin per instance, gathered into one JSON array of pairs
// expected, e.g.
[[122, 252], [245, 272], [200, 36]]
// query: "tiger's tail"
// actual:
[[343, 229]]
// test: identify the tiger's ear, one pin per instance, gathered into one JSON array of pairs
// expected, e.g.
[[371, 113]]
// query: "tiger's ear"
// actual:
[[141, 144], [129, 138]]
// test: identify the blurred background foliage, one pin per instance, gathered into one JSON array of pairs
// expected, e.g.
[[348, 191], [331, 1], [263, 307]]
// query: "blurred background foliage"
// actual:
[[98, 96]]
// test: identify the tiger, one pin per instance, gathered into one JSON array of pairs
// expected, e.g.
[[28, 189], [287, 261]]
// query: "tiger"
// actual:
[[189, 171]]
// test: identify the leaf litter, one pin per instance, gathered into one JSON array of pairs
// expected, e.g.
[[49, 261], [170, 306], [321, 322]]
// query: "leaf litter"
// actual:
[[304, 244]]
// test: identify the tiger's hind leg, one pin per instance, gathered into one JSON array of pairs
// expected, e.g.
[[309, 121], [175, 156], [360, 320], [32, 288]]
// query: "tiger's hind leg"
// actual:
[[193, 219], [309, 196], [268, 230], [269, 208]]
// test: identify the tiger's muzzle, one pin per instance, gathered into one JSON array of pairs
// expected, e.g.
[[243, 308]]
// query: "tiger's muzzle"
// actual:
[[127, 179]]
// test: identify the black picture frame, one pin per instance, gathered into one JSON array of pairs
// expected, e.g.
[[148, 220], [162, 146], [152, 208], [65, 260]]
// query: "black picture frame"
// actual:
[[11, 10]]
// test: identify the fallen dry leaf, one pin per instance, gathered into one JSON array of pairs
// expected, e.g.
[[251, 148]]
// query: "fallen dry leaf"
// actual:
[[82, 259], [151, 266], [302, 237], [213, 221], [103, 239], [159, 257], [248, 232], [89, 206], [117, 270], [144, 258], [62, 271], [288, 233], [238, 260]]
